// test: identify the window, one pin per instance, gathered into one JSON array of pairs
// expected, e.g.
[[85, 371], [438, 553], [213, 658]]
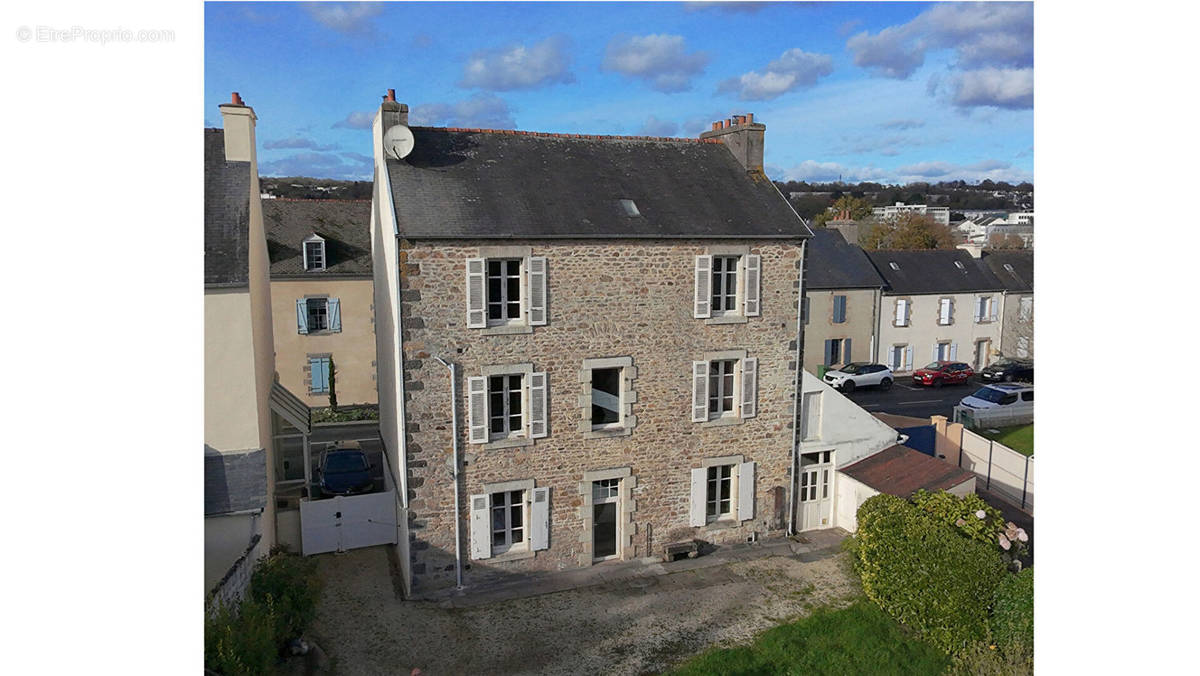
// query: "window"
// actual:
[[901, 318], [630, 208], [837, 351], [508, 521], [945, 311], [943, 351], [314, 254], [814, 476], [506, 292], [893, 265], [901, 357], [985, 309], [507, 403], [506, 398], [810, 428], [839, 309], [718, 496], [727, 286], [606, 397], [318, 370], [720, 387], [316, 315], [724, 387]]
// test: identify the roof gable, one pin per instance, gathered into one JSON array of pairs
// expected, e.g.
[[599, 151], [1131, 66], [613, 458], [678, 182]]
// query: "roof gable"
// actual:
[[492, 184]]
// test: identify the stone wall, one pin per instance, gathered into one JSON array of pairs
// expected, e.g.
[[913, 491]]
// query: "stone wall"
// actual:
[[627, 299]]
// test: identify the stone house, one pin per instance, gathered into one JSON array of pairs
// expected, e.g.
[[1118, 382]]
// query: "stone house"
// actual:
[[322, 298], [842, 292], [936, 302], [587, 345], [1014, 269]]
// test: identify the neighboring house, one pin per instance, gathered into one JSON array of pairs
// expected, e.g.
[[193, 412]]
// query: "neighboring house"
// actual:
[[842, 292], [1014, 269], [938, 214], [239, 362], [322, 298], [938, 305], [621, 313]]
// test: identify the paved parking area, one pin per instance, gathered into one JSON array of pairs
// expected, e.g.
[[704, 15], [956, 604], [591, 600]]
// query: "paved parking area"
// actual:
[[637, 625], [907, 399]]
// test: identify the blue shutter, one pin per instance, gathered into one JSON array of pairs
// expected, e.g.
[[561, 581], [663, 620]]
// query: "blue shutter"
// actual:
[[302, 316], [828, 352], [846, 352], [319, 366], [335, 314], [839, 309]]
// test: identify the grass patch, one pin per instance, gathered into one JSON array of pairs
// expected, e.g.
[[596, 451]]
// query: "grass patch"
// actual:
[[1019, 438], [858, 639]]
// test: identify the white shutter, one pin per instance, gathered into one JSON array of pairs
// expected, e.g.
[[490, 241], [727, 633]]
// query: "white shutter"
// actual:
[[696, 511], [703, 305], [753, 285], [699, 391], [908, 357], [936, 356], [481, 532], [901, 312], [749, 387], [953, 351], [476, 293], [537, 405], [979, 309], [745, 491], [539, 519], [477, 410], [945, 311], [537, 291], [992, 308]]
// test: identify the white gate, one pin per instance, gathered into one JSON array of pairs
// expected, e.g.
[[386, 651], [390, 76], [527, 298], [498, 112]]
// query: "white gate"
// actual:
[[348, 522]]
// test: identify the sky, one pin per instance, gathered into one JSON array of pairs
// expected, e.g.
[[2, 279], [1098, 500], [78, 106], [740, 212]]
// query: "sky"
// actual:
[[862, 91]]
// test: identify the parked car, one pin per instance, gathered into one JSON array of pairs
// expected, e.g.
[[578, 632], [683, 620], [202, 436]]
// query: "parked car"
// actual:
[[943, 373], [1014, 397], [345, 471], [1008, 370], [859, 374]]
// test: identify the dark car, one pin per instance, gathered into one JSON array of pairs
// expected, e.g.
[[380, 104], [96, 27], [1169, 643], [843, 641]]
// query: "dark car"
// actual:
[[345, 471], [942, 373], [1008, 370]]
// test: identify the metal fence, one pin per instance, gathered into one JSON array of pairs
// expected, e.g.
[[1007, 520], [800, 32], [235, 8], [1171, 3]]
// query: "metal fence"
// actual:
[[975, 418]]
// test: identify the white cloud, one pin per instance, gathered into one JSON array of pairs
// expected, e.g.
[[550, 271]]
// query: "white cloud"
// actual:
[[996, 34], [811, 170], [661, 60], [355, 120], [657, 127], [486, 111], [295, 142], [519, 67], [341, 166], [934, 171], [349, 18], [794, 69], [1000, 87]]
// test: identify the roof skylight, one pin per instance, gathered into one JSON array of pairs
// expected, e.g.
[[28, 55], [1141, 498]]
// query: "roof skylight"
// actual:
[[630, 208]]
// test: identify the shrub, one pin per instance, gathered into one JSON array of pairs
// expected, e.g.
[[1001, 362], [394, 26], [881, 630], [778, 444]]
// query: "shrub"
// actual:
[[984, 659], [924, 574], [289, 583], [241, 640], [962, 514], [1012, 613]]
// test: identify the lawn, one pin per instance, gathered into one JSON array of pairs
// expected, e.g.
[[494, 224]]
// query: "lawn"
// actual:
[[1019, 438], [858, 639]]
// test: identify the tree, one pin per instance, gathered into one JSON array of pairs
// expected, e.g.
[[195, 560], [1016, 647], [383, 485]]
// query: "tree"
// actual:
[[908, 231], [1000, 240], [856, 208], [332, 386]]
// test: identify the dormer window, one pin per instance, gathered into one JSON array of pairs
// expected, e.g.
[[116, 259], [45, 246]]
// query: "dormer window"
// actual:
[[314, 254]]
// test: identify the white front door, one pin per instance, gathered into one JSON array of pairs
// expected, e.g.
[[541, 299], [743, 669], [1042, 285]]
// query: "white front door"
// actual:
[[816, 490]]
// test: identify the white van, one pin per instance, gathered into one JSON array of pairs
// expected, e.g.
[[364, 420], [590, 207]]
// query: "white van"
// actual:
[[1007, 397]]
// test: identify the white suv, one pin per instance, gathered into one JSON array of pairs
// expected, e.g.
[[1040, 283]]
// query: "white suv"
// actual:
[[859, 374], [1014, 397]]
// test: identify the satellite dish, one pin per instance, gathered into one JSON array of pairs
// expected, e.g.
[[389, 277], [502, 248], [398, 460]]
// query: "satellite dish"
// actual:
[[398, 142]]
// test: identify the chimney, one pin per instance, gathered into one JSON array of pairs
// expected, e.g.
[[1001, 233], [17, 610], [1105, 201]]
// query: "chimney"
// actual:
[[743, 137], [238, 121], [393, 113]]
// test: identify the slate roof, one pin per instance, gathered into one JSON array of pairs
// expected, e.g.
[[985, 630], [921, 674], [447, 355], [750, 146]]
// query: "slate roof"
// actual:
[[460, 183], [933, 271], [901, 471], [234, 482], [834, 264], [226, 215], [345, 225], [1021, 277]]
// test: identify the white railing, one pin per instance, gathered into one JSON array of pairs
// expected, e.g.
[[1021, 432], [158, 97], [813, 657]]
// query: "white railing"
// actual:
[[999, 468]]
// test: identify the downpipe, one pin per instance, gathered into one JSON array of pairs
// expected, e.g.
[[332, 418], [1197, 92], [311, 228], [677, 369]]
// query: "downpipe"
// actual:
[[798, 400], [458, 570]]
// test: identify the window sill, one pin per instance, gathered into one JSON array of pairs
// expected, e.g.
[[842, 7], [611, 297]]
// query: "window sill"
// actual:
[[724, 523], [724, 421], [590, 432], [510, 442], [506, 330], [321, 332], [726, 319], [511, 555]]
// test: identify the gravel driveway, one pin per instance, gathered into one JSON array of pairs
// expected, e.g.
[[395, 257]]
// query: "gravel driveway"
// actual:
[[628, 627]]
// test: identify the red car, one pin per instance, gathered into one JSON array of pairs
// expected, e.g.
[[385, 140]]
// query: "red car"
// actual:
[[943, 373]]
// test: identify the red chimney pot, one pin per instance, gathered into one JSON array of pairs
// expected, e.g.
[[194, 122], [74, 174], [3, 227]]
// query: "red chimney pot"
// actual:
[[391, 95], [237, 99], [749, 118]]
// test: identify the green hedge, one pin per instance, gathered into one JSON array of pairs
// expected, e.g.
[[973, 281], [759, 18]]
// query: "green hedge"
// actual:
[[924, 574], [1012, 613], [962, 514], [289, 583]]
